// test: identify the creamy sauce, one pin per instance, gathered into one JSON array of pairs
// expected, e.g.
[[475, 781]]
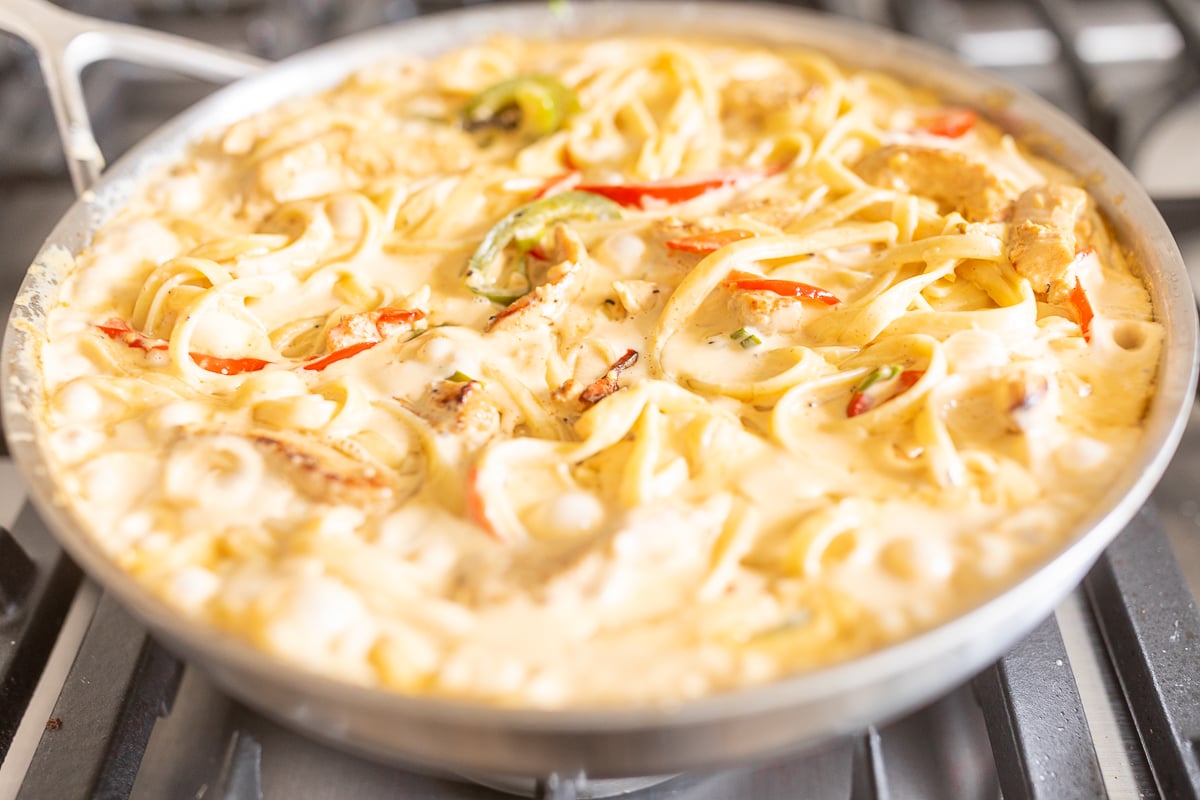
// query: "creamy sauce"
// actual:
[[831, 363]]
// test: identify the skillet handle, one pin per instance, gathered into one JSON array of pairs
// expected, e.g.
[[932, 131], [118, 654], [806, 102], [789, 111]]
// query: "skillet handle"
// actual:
[[66, 43]]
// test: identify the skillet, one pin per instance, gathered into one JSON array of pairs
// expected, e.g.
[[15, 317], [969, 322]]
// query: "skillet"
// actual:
[[736, 726]]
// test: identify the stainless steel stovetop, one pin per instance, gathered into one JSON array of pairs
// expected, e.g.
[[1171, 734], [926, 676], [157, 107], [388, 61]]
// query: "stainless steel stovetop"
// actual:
[[114, 716]]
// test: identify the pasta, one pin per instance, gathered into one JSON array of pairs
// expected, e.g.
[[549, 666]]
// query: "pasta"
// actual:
[[592, 373]]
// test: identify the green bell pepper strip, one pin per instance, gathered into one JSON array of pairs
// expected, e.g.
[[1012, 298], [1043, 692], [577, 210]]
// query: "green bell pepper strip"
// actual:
[[861, 402], [525, 227], [878, 375], [544, 104]]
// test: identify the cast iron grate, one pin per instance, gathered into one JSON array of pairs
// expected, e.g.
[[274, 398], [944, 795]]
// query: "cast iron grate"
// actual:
[[1152, 632], [37, 583], [119, 684]]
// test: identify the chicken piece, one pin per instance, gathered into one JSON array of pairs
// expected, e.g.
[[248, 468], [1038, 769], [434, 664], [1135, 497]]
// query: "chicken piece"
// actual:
[[767, 95], [371, 326], [609, 382], [310, 168], [460, 407], [1042, 238], [766, 312], [322, 473], [547, 302], [637, 296], [351, 330], [777, 212], [952, 179]]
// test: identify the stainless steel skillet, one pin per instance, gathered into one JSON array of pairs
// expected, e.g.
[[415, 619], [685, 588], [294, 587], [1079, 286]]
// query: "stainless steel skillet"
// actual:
[[736, 726]]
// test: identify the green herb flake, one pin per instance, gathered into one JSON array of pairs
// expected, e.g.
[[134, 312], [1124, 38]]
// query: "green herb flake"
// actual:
[[746, 337]]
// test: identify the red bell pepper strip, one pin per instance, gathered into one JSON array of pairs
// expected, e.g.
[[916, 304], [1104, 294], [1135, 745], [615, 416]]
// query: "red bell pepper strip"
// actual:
[[670, 190], [1083, 309], [358, 332], [228, 366], [862, 401], [951, 123], [390, 315], [338, 355], [384, 320], [749, 282], [710, 242], [121, 331], [392, 318], [908, 379], [476, 510], [559, 184], [371, 326]]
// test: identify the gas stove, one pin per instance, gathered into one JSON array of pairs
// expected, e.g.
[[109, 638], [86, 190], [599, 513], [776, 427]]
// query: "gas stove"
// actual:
[[1103, 699]]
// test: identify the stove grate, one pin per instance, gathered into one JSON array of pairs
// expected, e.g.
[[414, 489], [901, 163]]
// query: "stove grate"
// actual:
[[241, 772], [1152, 632], [1036, 722], [120, 683], [1100, 113], [37, 583]]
